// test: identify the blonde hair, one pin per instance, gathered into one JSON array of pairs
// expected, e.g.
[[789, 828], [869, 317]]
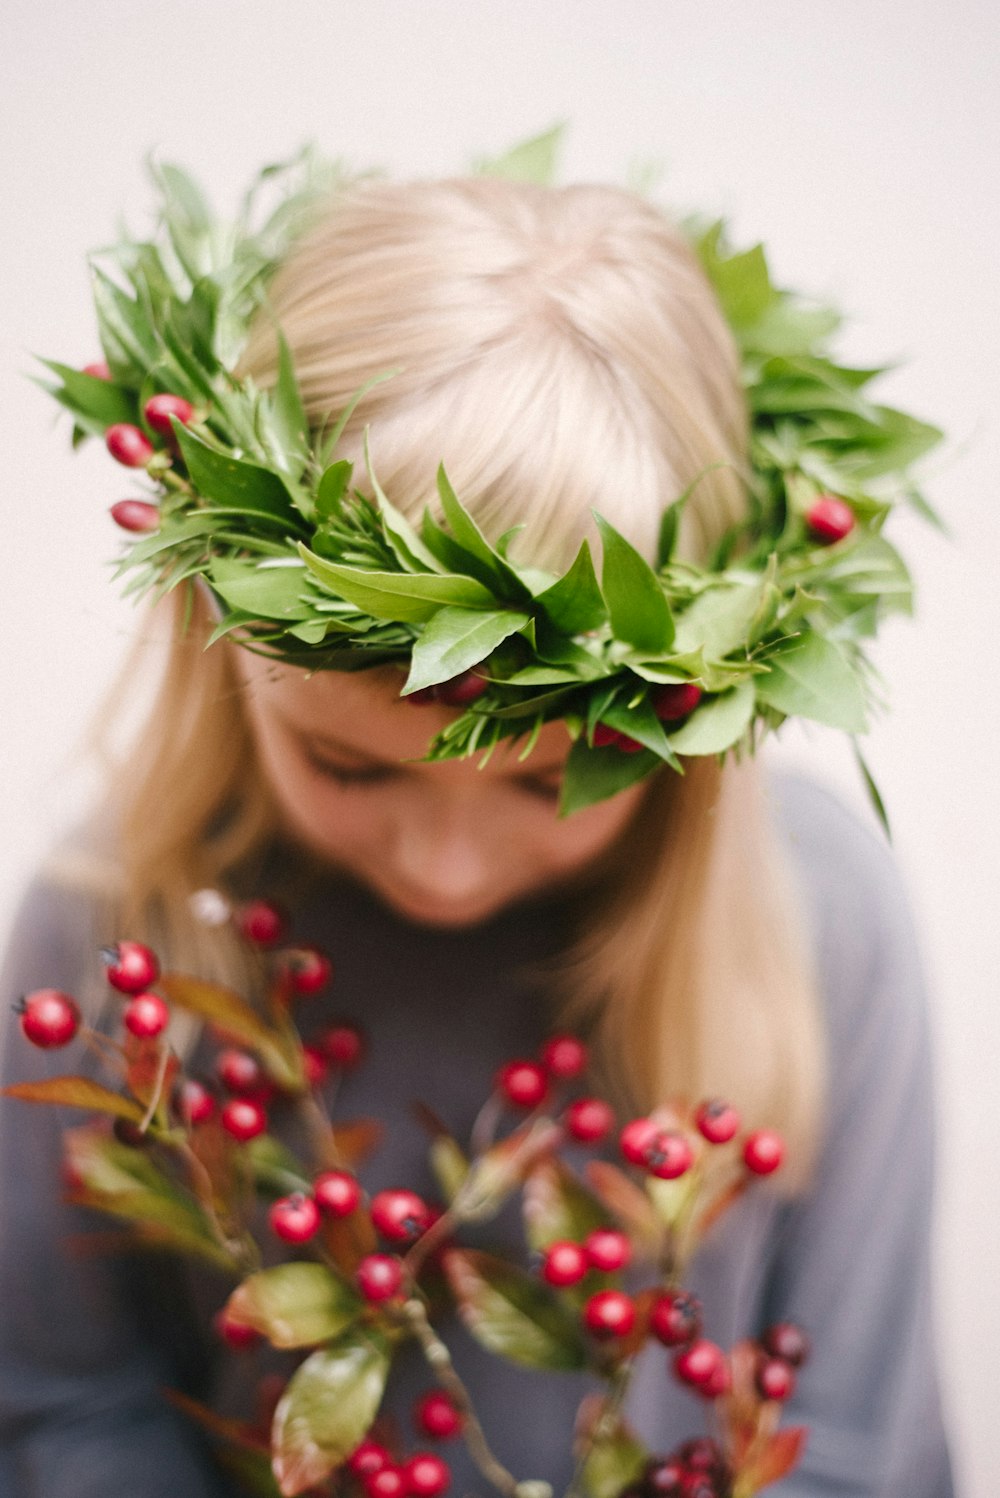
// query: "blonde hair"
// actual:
[[558, 349]]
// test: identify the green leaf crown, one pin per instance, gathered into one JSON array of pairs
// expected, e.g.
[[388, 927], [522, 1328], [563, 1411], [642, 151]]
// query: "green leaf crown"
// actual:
[[313, 572]]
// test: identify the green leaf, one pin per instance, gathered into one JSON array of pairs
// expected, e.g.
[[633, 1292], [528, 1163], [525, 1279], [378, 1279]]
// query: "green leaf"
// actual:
[[403, 597], [744, 286], [716, 723], [874, 797], [486, 564], [718, 621], [76, 1092], [457, 639], [102, 401], [410, 551], [332, 488], [236, 484], [510, 1312], [639, 721], [295, 1305], [328, 1407], [534, 160], [639, 611], [275, 1170], [278, 1048], [449, 1164], [267, 591], [557, 1205], [125, 333], [810, 676], [575, 604], [592, 775], [614, 1462], [289, 413]]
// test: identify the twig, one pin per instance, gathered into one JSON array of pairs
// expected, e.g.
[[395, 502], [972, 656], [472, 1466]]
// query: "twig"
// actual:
[[157, 1093], [605, 1424]]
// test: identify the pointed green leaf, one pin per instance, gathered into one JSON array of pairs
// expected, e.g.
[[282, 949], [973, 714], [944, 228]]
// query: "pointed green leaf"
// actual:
[[290, 419], [639, 611], [718, 620], [533, 160], [512, 1313], [717, 723], [457, 639], [874, 797], [617, 1460], [327, 1408], [575, 604], [268, 591], [486, 564], [404, 597], [592, 775], [810, 676], [332, 488], [295, 1305], [101, 400], [410, 551], [558, 1206], [236, 484], [639, 721]]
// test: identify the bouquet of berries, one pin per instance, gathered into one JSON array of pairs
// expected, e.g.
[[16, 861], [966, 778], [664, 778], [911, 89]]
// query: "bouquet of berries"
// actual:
[[342, 1279]]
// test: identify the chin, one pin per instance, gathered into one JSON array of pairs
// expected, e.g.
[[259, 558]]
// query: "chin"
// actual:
[[445, 917]]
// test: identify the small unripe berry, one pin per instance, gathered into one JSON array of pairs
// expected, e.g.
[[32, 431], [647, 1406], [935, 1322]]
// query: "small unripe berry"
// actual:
[[308, 970], [787, 1341], [668, 1155], [97, 371], [399, 1216], [609, 1313], [675, 1319], [379, 1276], [243, 1118], [387, 1482], [128, 444], [343, 1044], [461, 690], [194, 1103], [435, 1415], [674, 699], [589, 1119], [699, 1362], [136, 515], [718, 1122], [49, 1018], [763, 1152], [426, 1475], [240, 1073], [336, 1193], [523, 1083], [367, 1458], [565, 1263], [234, 1333], [146, 1016], [563, 1056], [263, 922], [775, 1379], [159, 409], [294, 1218], [131, 967], [830, 518], [607, 1250], [635, 1138]]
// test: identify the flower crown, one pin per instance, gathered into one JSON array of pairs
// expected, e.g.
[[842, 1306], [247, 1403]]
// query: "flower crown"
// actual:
[[645, 663]]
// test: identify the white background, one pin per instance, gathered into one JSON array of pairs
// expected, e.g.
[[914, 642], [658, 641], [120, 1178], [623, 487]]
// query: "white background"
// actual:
[[859, 140]]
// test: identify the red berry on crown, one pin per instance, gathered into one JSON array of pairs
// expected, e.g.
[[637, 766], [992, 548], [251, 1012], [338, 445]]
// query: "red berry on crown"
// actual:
[[787, 1341], [160, 408], [674, 700], [234, 1333], [136, 515], [461, 690], [775, 1379], [263, 922], [308, 970], [49, 1018], [830, 518], [609, 1313], [426, 1475], [675, 1319], [343, 1045], [387, 1482], [607, 1250], [128, 444], [668, 1155], [635, 1138], [240, 1073], [699, 1362], [367, 1458], [194, 1103], [98, 370]]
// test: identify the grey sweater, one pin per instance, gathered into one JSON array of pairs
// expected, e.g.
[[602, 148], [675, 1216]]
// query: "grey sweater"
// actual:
[[88, 1342]]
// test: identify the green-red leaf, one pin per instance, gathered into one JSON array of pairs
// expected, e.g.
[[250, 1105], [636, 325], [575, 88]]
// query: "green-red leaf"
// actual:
[[295, 1305], [76, 1092], [511, 1313], [327, 1408]]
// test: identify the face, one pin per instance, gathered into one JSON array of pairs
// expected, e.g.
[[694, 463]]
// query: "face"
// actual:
[[444, 844]]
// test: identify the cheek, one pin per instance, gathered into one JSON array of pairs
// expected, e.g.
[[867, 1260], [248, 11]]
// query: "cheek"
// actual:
[[569, 845]]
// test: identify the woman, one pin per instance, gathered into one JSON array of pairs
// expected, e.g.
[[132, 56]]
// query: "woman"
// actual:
[[718, 933]]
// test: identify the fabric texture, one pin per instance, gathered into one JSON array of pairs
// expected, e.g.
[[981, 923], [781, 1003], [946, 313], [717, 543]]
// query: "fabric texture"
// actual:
[[87, 1343]]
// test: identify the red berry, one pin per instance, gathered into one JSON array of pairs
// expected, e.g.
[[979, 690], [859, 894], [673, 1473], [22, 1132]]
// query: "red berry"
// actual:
[[717, 1122], [462, 689], [129, 445], [609, 1313], [135, 515], [367, 1458], [674, 699], [159, 409], [131, 967], [663, 1477], [830, 518], [399, 1215], [97, 371], [668, 1155], [701, 1455], [146, 1016], [294, 1218], [240, 1073], [589, 1119], [387, 1482], [49, 1018], [308, 969], [775, 1379], [523, 1083], [426, 1475], [263, 922], [787, 1341], [718, 1382], [635, 1138], [699, 1362], [565, 1263], [315, 1066], [607, 1250], [379, 1276], [343, 1044], [243, 1118], [763, 1152], [675, 1318], [422, 696], [194, 1103], [435, 1415], [604, 736], [234, 1333], [563, 1056], [336, 1193]]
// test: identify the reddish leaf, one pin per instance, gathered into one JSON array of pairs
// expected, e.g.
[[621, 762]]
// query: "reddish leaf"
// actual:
[[277, 1045], [329, 1405], [143, 1059], [355, 1140], [628, 1204], [512, 1313], [557, 1205], [501, 1169], [76, 1092], [774, 1461]]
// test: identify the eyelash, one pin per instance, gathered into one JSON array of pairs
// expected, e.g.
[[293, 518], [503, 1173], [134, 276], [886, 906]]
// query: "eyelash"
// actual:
[[356, 779]]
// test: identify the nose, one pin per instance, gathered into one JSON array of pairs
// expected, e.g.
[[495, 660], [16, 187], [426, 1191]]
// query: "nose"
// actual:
[[442, 850]]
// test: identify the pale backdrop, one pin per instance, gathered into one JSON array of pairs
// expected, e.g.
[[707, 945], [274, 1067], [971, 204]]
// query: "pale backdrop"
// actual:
[[861, 141]]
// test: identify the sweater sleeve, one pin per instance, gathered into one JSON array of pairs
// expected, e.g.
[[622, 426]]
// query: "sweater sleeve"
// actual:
[[82, 1413], [852, 1259]]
